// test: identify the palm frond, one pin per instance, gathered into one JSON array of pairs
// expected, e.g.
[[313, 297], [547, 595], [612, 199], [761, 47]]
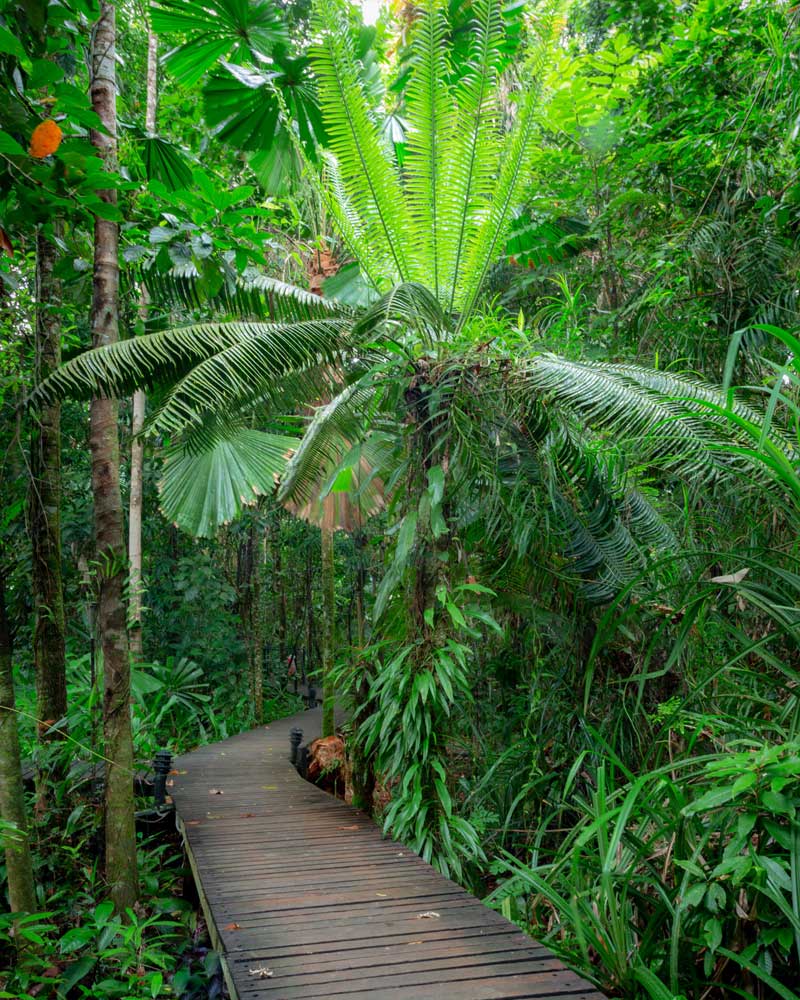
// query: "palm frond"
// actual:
[[201, 491], [334, 429], [195, 355], [249, 370], [248, 296], [660, 416], [606, 528], [406, 307]]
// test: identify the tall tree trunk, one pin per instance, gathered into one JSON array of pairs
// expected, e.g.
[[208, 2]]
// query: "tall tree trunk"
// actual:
[[329, 628], [121, 872], [135, 585], [280, 587], [19, 869], [362, 764], [135, 580], [44, 505], [309, 592], [259, 551]]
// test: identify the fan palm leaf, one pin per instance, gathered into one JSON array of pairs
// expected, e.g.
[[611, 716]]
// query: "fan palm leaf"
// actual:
[[200, 492]]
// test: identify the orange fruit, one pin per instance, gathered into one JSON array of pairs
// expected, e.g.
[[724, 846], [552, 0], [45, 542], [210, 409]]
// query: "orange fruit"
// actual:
[[46, 139]]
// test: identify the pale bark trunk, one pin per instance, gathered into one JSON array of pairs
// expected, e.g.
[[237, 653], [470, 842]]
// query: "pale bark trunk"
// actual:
[[135, 580], [19, 869], [329, 629], [135, 585], [120, 836], [44, 503]]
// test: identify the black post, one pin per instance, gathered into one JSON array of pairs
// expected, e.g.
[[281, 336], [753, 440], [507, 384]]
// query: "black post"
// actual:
[[162, 763], [295, 739]]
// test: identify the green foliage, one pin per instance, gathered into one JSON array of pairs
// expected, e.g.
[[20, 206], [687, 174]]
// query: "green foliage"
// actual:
[[726, 828]]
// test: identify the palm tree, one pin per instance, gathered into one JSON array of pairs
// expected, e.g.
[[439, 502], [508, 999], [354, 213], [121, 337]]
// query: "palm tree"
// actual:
[[419, 375]]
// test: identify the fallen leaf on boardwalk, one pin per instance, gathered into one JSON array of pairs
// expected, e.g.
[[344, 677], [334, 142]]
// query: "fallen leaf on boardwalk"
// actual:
[[193, 822], [416, 942], [246, 815], [231, 927], [428, 915], [262, 972], [383, 895], [215, 791], [270, 788], [353, 827]]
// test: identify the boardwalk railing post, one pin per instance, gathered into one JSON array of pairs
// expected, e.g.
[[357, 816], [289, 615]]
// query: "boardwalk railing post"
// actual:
[[162, 763], [295, 739]]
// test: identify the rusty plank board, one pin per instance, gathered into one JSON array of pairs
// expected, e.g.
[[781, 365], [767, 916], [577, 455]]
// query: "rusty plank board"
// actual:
[[307, 899]]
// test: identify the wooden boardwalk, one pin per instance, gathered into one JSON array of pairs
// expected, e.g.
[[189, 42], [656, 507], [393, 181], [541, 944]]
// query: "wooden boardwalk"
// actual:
[[306, 899]]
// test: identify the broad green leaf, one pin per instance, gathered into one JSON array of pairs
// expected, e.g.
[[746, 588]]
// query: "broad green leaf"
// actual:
[[200, 492]]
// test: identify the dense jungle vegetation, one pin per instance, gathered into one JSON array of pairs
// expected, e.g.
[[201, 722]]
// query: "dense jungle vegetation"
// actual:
[[452, 361]]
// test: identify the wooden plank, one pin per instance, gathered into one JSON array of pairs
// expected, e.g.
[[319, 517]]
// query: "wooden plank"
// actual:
[[306, 899]]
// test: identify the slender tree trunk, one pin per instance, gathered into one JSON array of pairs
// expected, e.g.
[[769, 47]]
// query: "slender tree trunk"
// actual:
[[329, 629], [44, 505], [309, 591], [121, 872], [256, 625], [135, 586], [362, 764], [135, 581], [280, 589], [19, 869]]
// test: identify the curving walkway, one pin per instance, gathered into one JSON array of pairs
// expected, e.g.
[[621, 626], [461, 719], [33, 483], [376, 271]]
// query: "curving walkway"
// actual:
[[306, 899]]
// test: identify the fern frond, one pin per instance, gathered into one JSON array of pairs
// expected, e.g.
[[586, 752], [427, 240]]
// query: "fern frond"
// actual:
[[515, 163], [473, 155], [368, 177], [430, 119]]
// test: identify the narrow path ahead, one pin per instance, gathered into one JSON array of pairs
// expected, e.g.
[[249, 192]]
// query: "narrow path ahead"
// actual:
[[306, 899]]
